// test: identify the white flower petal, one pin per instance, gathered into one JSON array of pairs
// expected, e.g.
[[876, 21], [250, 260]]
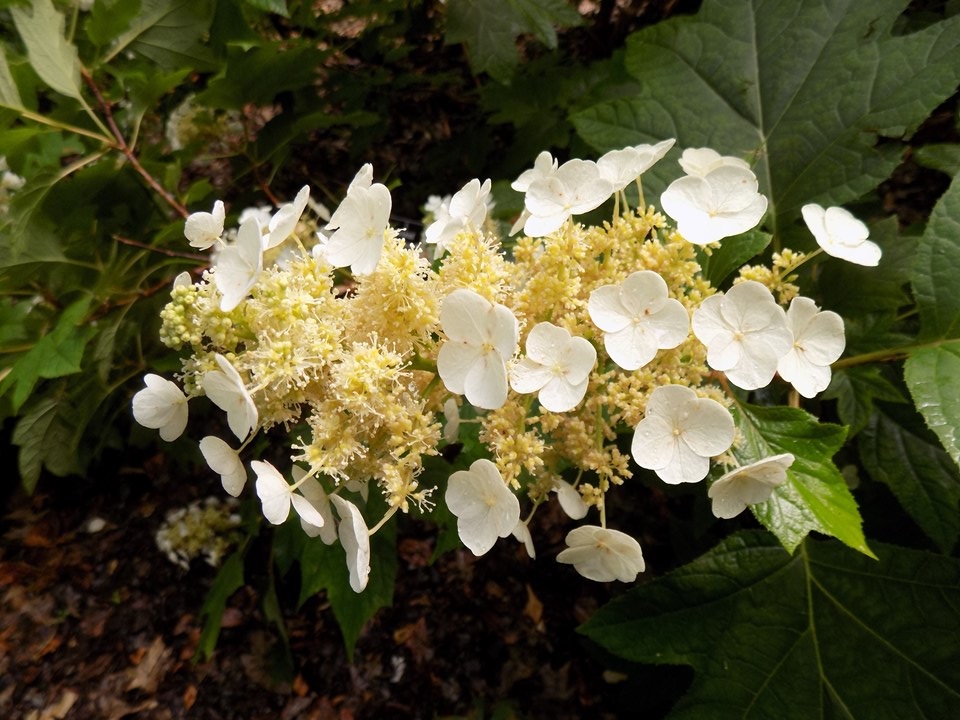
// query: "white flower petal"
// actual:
[[522, 533], [238, 266], [273, 490], [283, 223], [571, 500], [355, 540], [161, 406], [226, 390], [224, 461], [313, 491], [841, 235]]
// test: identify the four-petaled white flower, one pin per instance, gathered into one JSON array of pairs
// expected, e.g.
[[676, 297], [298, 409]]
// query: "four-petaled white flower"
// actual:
[[603, 555], [748, 485], [360, 222], [276, 496], [226, 390], [238, 266], [638, 318], [722, 203], [745, 332], [700, 161], [162, 406], [622, 167], [224, 461], [818, 340], [204, 229], [557, 366], [484, 506], [466, 210], [355, 539], [841, 235], [679, 434], [284, 221], [313, 491], [575, 188], [481, 337]]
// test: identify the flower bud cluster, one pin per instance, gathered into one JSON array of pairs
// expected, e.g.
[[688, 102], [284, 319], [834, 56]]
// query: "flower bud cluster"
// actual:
[[206, 528]]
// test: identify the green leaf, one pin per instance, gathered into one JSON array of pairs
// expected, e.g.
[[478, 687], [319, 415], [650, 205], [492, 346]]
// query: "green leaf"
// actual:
[[823, 634], [229, 579], [815, 496], [936, 272], [944, 157], [855, 389], [167, 32], [732, 253], [488, 28], [44, 439], [920, 474], [52, 57], [257, 75], [878, 288], [109, 18], [324, 567], [931, 375], [801, 88], [274, 6], [56, 354], [9, 93]]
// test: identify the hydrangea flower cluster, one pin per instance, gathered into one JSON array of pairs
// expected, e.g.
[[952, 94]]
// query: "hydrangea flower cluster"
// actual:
[[550, 345], [206, 528]]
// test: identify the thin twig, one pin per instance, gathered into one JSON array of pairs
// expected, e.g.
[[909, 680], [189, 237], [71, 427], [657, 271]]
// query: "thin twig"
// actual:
[[162, 251], [123, 147]]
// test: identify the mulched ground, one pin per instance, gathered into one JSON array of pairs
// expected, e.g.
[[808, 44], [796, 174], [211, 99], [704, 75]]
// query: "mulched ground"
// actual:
[[100, 625]]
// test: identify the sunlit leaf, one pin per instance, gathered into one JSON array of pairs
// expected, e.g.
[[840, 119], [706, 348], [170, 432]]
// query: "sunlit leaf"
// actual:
[[52, 56], [825, 633], [815, 497]]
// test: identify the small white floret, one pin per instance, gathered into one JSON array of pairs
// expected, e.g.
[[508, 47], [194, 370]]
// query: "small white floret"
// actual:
[[745, 332], [161, 406], [841, 235], [557, 367], [238, 266], [679, 434], [484, 506], [818, 341], [481, 337], [748, 485], [603, 555], [722, 203], [638, 318], [205, 229]]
